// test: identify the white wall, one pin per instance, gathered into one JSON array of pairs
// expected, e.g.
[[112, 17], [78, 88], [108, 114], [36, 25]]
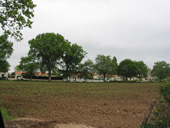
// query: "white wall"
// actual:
[[4, 74]]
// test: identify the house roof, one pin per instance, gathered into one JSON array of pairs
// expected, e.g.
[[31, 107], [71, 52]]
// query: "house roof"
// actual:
[[36, 73], [79, 74], [40, 74], [19, 73]]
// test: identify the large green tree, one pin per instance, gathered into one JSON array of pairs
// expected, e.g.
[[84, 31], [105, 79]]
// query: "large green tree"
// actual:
[[5, 52], [161, 69], [14, 15], [48, 48], [4, 66], [72, 57], [127, 68], [103, 65], [142, 69], [29, 64], [86, 69]]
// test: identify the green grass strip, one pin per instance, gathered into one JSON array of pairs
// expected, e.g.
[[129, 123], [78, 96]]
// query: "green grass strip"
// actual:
[[5, 114]]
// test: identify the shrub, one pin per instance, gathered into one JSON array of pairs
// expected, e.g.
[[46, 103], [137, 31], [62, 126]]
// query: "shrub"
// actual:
[[165, 92], [161, 116]]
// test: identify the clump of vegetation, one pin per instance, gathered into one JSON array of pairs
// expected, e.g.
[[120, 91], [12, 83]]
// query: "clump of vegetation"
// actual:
[[161, 118], [5, 114]]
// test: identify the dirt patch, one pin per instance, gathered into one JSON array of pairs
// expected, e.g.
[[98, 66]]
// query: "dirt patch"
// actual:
[[22, 123], [37, 123], [72, 126]]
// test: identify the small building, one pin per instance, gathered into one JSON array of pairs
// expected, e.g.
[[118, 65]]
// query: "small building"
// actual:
[[4, 74], [108, 77], [95, 78], [74, 78], [19, 74], [150, 78], [41, 74]]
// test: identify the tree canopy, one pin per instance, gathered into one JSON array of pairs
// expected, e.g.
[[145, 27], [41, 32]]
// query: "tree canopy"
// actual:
[[114, 65], [142, 69], [72, 57], [127, 68], [86, 69], [14, 15], [52, 50], [103, 65], [29, 65], [5, 52], [4, 65], [161, 69], [48, 49]]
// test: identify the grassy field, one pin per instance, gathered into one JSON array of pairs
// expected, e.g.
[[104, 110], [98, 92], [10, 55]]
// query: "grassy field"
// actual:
[[97, 104]]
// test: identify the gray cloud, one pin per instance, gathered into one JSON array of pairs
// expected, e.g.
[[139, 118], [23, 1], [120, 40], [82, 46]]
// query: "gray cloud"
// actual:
[[139, 30]]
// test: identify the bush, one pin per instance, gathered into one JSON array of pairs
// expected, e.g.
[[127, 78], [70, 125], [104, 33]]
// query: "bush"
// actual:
[[161, 118], [165, 92]]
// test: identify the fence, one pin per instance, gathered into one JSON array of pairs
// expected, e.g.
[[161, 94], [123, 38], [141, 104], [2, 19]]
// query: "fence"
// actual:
[[81, 80]]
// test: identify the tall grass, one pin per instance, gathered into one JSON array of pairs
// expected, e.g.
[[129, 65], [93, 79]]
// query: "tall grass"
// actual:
[[5, 114]]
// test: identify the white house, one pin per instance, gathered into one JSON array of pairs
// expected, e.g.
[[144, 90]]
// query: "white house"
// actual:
[[4, 74], [108, 77], [96, 78], [74, 78]]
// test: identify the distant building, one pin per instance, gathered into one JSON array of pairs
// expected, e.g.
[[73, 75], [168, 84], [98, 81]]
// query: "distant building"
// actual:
[[19, 75], [74, 78], [150, 78], [4, 74], [108, 77], [96, 78]]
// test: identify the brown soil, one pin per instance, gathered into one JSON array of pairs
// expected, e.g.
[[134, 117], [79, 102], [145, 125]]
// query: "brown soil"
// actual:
[[121, 111]]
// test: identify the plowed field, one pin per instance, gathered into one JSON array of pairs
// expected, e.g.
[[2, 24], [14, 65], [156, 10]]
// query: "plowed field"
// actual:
[[81, 105]]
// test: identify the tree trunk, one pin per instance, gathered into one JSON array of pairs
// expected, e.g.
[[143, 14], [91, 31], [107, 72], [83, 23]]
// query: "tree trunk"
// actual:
[[49, 75], [31, 78], [104, 74], [139, 77], [85, 79], [31, 74]]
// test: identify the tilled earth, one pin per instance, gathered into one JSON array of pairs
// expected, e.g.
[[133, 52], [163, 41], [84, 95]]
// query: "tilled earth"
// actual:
[[121, 110]]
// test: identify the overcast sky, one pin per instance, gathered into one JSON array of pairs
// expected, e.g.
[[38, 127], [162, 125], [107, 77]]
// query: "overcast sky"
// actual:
[[134, 29]]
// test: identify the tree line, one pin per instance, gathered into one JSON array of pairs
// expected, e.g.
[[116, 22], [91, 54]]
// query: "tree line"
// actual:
[[50, 52]]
